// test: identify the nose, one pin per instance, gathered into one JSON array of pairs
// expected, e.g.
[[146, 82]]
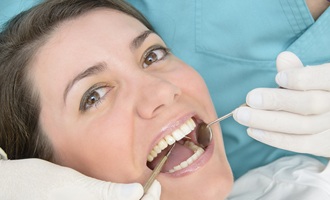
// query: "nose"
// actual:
[[155, 94]]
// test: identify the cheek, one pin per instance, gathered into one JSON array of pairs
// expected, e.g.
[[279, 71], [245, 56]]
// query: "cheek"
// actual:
[[110, 148], [193, 84], [92, 146]]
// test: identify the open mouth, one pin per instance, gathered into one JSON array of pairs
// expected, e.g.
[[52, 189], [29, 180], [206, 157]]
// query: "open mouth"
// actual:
[[185, 152]]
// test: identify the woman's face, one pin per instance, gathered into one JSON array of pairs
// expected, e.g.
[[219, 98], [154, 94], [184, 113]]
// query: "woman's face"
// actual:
[[110, 93]]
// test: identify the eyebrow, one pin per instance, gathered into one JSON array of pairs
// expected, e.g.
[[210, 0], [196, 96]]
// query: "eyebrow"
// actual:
[[137, 42], [96, 69]]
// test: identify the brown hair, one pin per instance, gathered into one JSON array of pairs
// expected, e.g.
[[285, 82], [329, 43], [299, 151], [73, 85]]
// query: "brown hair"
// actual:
[[20, 132]]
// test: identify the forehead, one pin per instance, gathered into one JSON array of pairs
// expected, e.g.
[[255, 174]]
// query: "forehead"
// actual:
[[89, 35], [98, 22]]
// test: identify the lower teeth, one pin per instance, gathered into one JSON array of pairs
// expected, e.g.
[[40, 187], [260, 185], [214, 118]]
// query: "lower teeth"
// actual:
[[198, 151]]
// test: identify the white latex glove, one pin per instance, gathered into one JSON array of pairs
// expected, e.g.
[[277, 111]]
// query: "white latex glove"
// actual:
[[35, 179], [296, 116]]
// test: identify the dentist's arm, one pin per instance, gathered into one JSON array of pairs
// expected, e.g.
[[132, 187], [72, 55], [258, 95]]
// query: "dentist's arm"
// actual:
[[296, 116], [41, 180]]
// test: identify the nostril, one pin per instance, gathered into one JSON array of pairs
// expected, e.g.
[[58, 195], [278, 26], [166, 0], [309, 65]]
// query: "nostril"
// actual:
[[158, 108]]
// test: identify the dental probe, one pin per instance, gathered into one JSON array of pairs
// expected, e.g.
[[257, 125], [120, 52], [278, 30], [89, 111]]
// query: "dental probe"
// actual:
[[156, 171], [204, 132]]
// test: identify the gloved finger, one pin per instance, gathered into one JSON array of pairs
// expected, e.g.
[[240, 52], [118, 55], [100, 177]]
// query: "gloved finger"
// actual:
[[299, 102], [316, 144], [131, 191], [307, 78], [283, 122], [153, 192], [288, 60], [293, 75]]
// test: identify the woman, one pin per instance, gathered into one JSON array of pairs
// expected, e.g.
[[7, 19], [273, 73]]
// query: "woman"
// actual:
[[95, 73], [94, 86]]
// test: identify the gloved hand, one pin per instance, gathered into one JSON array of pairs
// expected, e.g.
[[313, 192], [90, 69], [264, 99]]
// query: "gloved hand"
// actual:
[[296, 116], [35, 179]]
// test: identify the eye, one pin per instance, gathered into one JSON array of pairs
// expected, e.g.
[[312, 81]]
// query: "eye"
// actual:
[[93, 97], [154, 54]]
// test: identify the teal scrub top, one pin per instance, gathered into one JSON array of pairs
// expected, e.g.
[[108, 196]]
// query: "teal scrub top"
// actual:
[[233, 45]]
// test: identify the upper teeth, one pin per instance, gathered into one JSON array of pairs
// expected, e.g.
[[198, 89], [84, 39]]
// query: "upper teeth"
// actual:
[[176, 135]]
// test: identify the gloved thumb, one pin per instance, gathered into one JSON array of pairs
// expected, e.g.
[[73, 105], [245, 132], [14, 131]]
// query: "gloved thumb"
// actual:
[[288, 60], [134, 191], [125, 191], [154, 192]]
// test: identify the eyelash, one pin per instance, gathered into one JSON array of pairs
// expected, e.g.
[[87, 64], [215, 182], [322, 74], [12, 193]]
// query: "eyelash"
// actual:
[[151, 50], [90, 92]]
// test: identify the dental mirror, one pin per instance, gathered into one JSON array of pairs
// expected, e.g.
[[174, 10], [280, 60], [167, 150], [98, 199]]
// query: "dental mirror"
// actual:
[[204, 132]]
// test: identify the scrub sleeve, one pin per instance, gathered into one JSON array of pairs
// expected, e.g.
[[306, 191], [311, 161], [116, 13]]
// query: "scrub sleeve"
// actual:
[[234, 44]]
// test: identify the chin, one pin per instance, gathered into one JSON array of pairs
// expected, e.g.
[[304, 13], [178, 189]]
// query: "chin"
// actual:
[[191, 189]]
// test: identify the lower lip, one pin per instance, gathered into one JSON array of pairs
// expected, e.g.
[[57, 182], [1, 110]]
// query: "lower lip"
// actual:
[[200, 162]]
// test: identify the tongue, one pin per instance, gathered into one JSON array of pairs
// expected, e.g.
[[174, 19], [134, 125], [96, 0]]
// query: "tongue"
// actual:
[[179, 154]]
